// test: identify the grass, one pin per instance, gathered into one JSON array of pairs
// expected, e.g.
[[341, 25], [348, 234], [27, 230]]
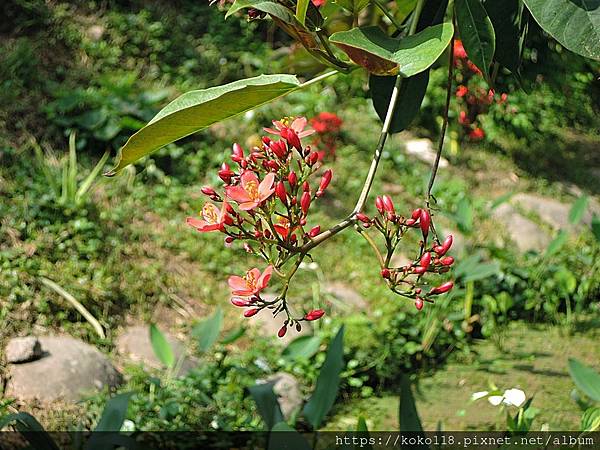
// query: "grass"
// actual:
[[535, 361]]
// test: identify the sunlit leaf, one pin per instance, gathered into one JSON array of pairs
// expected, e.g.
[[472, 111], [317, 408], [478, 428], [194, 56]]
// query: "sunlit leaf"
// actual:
[[573, 23], [162, 348], [557, 243], [476, 32], [267, 403], [590, 420], [585, 378], [196, 110], [380, 54], [302, 347], [207, 331], [578, 210]]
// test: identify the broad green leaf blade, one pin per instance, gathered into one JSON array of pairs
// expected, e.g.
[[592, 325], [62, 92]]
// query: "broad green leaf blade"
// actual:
[[284, 437], [23, 422], [482, 271], [162, 348], [362, 431], [410, 98], [578, 210], [196, 110], [266, 403], [596, 227], [328, 383], [477, 33], [590, 420], [506, 17], [114, 413], [557, 243], [585, 378], [233, 336], [380, 54], [303, 347], [408, 415], [573, 23], [207, 331], [301, 9]]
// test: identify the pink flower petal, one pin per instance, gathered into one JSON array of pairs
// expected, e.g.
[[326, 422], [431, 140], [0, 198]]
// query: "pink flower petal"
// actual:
[[237, 283], [272, 131], [249, 178], [299, 124], [237, 193], [265, 188], [264, 278], [247, 206], [306, 133]]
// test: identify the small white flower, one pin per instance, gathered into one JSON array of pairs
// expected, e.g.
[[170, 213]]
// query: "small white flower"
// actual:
[[128, 426], [495, 399], [478, 395], [514, 397]]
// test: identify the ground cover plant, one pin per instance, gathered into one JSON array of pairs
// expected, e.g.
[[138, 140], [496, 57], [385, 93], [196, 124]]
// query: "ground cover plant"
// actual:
[[411, 272]]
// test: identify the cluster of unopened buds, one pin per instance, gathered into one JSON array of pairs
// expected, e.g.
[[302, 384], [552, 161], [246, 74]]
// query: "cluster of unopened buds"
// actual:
[[431, 258], [473, 99], [266, 203]]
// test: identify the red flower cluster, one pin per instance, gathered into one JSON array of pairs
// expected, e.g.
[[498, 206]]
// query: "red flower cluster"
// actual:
[[473, 99], [327, 126], [431, 257], [266, 203]]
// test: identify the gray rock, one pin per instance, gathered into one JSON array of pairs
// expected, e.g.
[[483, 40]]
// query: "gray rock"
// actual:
[[287, 389], [134, 344], [527, 235], [68, 369], [551, 211], [23, 349], [267, 325], [344, 297], [423, 150]]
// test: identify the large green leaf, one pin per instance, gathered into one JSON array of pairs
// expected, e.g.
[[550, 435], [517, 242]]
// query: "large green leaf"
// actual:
[[573, 23], [328, 383], [408, 415], [578, 210], [114, 413], [410, 98], [476, 32], [162, 348], [557, 243], [207, 331], [282, 15], [196, 110], [284, 437], [32, 429], [267, 403], [590, 420], [585, 378], [506, 17], [380, 54], [303, 347]]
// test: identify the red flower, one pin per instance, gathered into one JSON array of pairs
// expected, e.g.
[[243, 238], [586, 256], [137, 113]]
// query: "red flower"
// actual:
[[283, 227], [463, 119], [326, 122], [212, 218], [249, 194], [319, 3], [251, 283], [477, 134], [462, 91], [297, 125], [459, 50], [315, 314]]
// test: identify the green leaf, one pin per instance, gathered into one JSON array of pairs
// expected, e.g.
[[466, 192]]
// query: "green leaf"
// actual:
[[284, 437], [233, 336], [328, 383], [26, 423], [578, 210], [114, 413], [196, 110], [476, 32], [354, 6], [590, 420], [266, 403], [282, 15], [303, 347], [585, 378], [482, 271], [301, 9], [557, 243], [596, 227], [506, 17], [409, 417], [362, 431], [380, 54], [433, 13], [410, 98], [573, 23], [162, 348], [207, 331]]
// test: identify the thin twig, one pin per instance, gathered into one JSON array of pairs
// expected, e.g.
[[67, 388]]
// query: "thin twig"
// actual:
[[438, 155]]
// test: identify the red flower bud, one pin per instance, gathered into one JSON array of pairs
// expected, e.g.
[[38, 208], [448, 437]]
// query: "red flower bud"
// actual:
[[306, 186], [410, 222], [273, 165], [363, 217], [207, 190], [419, 303], [388, 204], [282, 331], [314, 231], [314, 314], [228, 220], [236, 301], [279, 149], [420, 270], [442, 288], [379, 204], [312, 158], [302, 222], [305, 202], [225, 173], [385, 273], [425, 260], [325, 180], [238, 151], [447, 261], [292, 137], [229, 239], [424, 222], [292, 178], [441, 250], [281, 192], [416, 214], [266, 140], [250, 312]]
